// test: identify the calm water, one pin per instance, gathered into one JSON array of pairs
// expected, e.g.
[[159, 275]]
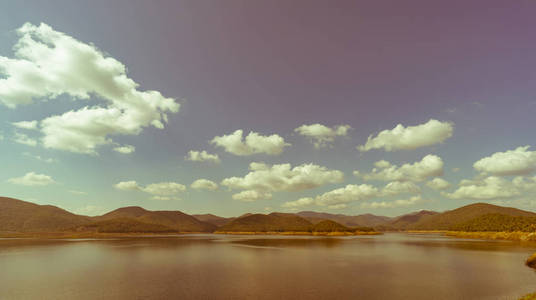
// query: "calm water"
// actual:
[[392, 266]]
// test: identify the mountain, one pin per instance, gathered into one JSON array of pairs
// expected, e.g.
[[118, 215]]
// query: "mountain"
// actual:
[[213, 219], [498, 222], [264, 223], [330, 226], [175, 220], [21, 216], [366, 220], [405, 221], [452, 218]]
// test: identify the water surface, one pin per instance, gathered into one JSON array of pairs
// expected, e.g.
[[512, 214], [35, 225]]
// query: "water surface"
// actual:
[[392, 266]]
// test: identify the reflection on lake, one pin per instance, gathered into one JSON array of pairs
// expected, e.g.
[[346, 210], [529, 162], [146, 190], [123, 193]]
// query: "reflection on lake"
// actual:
[[392, 266]]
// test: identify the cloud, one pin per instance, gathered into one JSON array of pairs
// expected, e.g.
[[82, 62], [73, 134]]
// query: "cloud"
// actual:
[[520, 161], [90, 210], [283, 177], [77, 192], [252, 195], [32, 179], [39, 157], [430, 166], [411, 137], [204, 184], [321, 135], [399, 187], [49, 63], [491, 187], [253, 143], [203, 156], [29, 125], [392, 204], [160, 191], [125, 149], [22, 138], [438, 184], [298, 203], [347, 194]]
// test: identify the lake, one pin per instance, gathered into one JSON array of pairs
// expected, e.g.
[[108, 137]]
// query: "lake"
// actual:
[[390, 266]]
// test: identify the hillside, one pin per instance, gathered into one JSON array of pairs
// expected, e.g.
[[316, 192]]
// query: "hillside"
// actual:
[[330, 226], [21, 216], [405, 221], [365, 220], [450, 219], [124, 225], [175, 220], [213, 219], [264, 223], [498, 222]]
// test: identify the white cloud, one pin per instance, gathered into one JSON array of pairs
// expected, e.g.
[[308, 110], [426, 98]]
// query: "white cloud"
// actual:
[[298, 203], [90, 210], [160, 191], [520, 161], [32, 179], [125, 149], [321, 135], [77, 192], [283, 177], [252, 195], [429, 166], [438, 184], [392, 204], [203, 156], [347, 194], [204, 184], [411, 137], [49, 63], [29, 125], [253, 143], [400, 187], [491, 187], [22, 138]]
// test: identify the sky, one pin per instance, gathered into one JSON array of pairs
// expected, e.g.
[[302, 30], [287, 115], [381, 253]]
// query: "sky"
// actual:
[[228, 107]]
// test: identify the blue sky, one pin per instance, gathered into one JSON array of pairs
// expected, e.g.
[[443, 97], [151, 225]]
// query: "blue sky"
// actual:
[[354, 68]]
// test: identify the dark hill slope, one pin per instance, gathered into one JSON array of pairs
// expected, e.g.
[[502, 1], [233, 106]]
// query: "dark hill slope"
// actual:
[[449, 219], [405, 221], [264, 223], [176, 220], [349, 221], [21, 216]]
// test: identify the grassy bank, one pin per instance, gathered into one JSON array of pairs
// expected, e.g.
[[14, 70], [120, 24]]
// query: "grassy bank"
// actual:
[[510, 236], [344, 233]]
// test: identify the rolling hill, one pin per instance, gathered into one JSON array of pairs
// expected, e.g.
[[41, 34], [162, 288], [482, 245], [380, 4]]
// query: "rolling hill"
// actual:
[[263, 223], [175, 220], [21, 216], [365, 220], [406, 221], [450, 219], [213, 219]]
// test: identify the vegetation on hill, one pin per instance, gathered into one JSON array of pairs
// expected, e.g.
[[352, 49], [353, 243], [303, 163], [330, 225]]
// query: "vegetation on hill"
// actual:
[[497, 222], [124, 225], [450, 219], [330, 226], [349, 221], [405, 221], [21, 216], [176, 220], [276, 222]]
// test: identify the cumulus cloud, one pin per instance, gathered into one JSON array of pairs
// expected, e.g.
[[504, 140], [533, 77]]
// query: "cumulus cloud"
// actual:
[[298, 203], [321, 135], [203, 156], [411, 137], [49, 63], [160, 191], [392, 204], [252, 195], [204, 184], [283, 177], [253, 143], [400, 187], [22, 138], [125, 149], [492, 187], [32, 179], [349, 193], [520, 161], [430, 166], [29, 125], [438, 184]]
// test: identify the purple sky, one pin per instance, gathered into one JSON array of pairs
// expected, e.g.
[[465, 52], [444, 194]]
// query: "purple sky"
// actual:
[[272, 66]]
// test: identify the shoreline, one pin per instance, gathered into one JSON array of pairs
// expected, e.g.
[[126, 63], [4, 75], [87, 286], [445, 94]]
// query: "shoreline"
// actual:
[[306, 233]]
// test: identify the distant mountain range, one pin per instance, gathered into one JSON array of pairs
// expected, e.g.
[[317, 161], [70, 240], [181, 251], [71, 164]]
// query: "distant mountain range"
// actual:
[[18, 216]]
